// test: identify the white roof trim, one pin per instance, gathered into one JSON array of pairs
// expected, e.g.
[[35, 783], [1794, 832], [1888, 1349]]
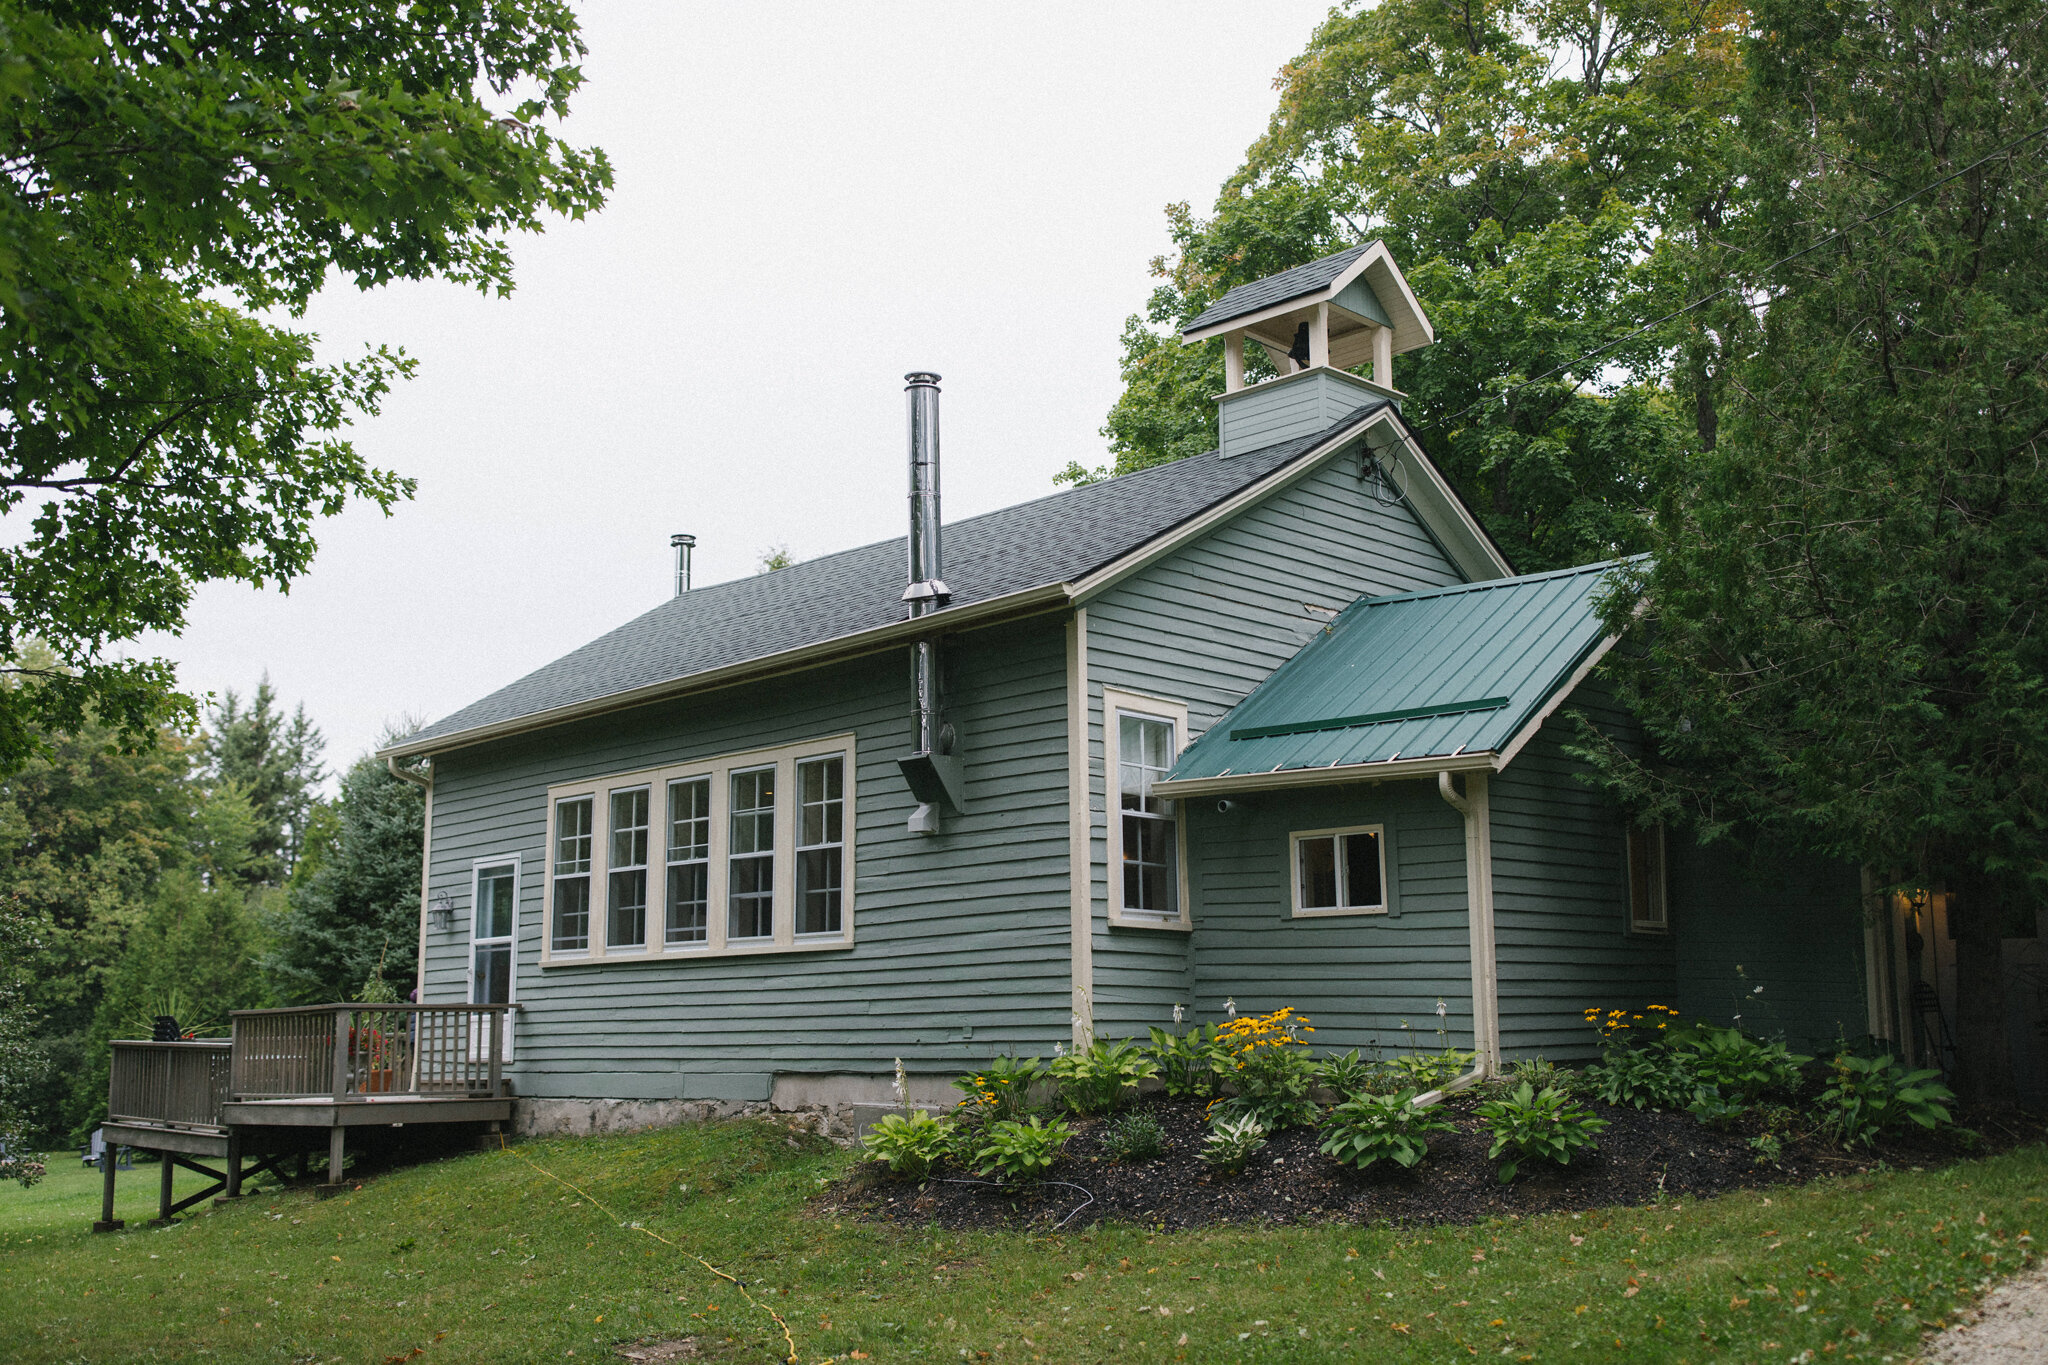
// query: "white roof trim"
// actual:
[[1387, 771], [1403, 301]]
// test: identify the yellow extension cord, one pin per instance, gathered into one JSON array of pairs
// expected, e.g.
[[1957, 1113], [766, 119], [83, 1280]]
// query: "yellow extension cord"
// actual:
[[787, 1339]]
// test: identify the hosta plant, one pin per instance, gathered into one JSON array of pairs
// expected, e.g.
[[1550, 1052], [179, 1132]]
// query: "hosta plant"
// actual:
[[1649, 1077], [1374, 1128], [1098, 1078], [1873, 1095], [1190, 1064], [1427, 1070], [1232, 1141], [1135, 1136], [1538, 1125], [1347, 1073], [909, 1146], [1740, 1068], [1020, 1152]]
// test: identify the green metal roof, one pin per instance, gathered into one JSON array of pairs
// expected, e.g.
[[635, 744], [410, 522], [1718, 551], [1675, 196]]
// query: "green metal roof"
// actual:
[[1445, 672]]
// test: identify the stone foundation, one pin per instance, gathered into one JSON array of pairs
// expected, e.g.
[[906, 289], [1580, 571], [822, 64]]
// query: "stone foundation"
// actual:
[[841, 1107]]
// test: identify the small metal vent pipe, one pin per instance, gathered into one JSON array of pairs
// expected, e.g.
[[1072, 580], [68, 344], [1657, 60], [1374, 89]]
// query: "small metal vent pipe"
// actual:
[[683, 545], [927, 591]]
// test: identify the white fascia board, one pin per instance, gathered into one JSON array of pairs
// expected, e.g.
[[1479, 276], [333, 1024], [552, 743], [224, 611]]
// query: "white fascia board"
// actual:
[[1028, 602], [1378, 255], [1392, 770], [1442, 511], [1557, 699]]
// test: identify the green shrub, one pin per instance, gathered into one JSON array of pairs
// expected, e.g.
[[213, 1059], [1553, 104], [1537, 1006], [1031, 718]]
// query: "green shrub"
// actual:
[[1346, 1073], [1098, 1078], [1370, 1128], [910, 1146], [1532, 1125], [1714, 1109], [1730, 1062], [1874, 1095], [1133, 1137], [1233, 1140], [1428, 1070], [1649, 1077], [1003, 1090], [1190, 1064], [1020, 1152]]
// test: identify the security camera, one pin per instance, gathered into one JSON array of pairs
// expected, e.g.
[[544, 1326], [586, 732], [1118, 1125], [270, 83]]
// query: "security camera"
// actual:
[[1225, 806]]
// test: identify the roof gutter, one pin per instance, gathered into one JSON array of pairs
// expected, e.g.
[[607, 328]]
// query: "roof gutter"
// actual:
[[1028, 602], [1387, 770]]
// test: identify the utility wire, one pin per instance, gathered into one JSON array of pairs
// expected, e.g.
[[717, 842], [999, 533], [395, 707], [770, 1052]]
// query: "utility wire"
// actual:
[[1706, 299]]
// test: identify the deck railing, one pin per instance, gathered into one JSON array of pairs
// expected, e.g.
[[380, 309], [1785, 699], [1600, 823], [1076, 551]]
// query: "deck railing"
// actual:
[[169, 1085], [359, 1051]]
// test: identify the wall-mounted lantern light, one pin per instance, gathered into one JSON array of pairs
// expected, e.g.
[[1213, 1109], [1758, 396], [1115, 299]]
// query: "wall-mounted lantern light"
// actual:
[[444, 912]]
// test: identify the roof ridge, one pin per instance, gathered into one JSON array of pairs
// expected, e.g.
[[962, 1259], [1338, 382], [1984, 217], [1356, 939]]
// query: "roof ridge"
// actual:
[[1489, 584]]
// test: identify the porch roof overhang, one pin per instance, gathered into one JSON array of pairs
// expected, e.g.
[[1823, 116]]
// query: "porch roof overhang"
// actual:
[[1444, 680]]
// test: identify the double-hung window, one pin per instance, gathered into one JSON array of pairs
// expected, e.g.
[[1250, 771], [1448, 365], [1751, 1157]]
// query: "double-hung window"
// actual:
[[628, 863], [821, 844], [493, 903], [689, 862], [750, 890], [1143, 737], [1340, 871], [747, 852], [571, 917]]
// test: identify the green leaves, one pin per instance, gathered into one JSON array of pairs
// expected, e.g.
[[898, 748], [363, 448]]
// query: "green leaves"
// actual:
[[1372, 1128], [1101, 1076], [1874, 1095], [1531, 1125], [1021, 1151], [909, 1146], [170, 170]]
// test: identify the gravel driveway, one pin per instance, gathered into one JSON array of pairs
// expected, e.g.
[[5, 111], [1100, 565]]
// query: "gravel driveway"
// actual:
[[2009, 1328]]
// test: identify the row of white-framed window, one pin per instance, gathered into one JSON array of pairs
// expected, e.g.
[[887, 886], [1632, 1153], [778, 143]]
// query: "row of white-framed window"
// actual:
[[741, 853]]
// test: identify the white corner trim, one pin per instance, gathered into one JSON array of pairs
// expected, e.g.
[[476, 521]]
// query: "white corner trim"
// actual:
[[1080, 834], [1476, 808], [1557, 699]]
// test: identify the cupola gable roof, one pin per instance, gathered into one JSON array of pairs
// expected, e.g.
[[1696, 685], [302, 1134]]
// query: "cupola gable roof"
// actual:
[[1362, 286]]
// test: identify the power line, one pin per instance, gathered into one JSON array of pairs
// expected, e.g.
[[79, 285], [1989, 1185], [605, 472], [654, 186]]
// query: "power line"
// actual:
[[1706, 299]]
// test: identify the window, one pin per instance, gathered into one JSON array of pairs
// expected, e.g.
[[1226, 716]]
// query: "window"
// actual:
[[689, 861], [1340, 871], [1646, 909], [750, 899], [741, 853], [820, 843], [1146, 883], [572, 876], [628, 864]]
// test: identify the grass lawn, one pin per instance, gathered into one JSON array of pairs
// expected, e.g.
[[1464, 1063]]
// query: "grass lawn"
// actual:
[[483, 1258]]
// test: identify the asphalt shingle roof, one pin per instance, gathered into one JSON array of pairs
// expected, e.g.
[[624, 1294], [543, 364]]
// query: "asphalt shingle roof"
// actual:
[[1288, 284], [1434, 673], [1051, 540]]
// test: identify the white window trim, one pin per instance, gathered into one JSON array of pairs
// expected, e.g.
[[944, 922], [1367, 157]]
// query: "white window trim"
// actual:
[[1294, 872], [784, 759], [1116, 703], [476, 870], [1659, 885]]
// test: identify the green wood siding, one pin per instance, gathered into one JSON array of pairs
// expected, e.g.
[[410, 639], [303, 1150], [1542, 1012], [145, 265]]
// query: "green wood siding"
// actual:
[[1205, 626], [1285, 409], [1560, 896], [1795, 929], [1358, 977], [964, 932]]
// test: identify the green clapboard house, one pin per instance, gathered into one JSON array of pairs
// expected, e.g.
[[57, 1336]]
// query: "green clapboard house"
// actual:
[[1274, 725]]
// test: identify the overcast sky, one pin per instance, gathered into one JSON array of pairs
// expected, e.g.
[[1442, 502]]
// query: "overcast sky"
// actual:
[[811, 201]]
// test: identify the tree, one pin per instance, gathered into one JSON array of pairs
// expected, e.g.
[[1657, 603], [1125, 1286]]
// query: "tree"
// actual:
[[274, 763], [1524, 160], [23, 1064], [360, 896], [178, 173], [1841, 647]]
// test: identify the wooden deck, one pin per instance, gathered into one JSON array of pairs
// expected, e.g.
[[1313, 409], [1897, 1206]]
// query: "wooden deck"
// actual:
[[286, 1077]]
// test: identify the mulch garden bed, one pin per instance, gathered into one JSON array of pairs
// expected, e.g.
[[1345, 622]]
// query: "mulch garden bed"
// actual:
[[1644, 1155]]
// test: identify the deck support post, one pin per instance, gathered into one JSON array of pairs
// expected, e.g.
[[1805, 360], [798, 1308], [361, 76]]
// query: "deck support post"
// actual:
[[333, 1185], [107, 1222], [234, 1182], [163, 1208]]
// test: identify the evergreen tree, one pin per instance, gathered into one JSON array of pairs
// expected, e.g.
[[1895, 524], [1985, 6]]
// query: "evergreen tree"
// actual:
[[1843, 649], [273, 761], [361, 895]]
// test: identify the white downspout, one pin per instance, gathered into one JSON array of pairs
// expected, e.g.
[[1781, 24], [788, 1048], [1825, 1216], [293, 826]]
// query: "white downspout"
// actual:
[[425, 782], [1479, 901]]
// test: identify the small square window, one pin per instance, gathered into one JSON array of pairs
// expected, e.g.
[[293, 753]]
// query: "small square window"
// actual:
[[1340, 871]]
